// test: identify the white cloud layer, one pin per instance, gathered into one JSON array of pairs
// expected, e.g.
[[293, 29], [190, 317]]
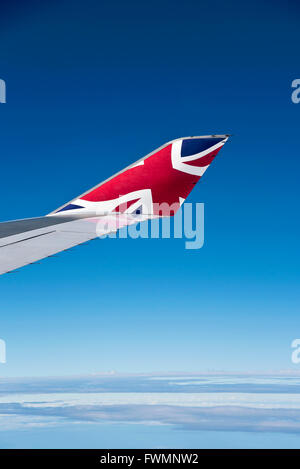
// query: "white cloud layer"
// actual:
[[272, 405]]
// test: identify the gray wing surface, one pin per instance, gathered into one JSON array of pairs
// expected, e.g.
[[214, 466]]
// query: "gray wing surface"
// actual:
[[26, 241]]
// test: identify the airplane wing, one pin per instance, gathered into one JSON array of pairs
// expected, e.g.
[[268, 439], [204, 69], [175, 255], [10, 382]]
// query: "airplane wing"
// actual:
[[154, 186]]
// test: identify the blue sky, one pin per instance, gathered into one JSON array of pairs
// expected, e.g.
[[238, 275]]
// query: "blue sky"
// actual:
[[93, 86]]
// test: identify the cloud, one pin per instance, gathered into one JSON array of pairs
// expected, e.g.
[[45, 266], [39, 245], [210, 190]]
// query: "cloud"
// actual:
[[232, 418], [51, 402]]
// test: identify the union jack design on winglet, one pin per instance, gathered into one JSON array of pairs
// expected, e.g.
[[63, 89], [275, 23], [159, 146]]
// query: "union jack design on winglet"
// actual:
[[152, 185]]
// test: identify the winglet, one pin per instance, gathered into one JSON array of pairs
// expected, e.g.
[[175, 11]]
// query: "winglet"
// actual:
[[163, 178]]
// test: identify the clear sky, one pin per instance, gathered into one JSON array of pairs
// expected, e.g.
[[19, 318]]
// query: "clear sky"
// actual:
[[93, 86]]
